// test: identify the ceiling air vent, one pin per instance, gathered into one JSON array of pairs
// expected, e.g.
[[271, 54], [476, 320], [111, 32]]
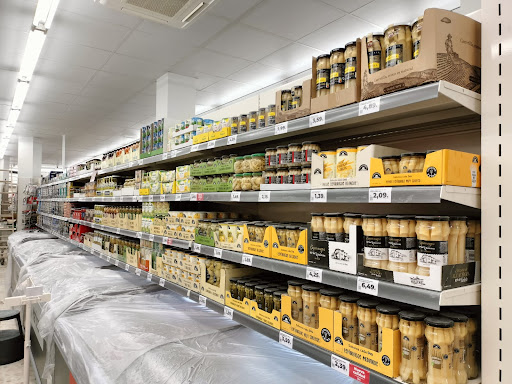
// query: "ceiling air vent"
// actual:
[[175, 13]]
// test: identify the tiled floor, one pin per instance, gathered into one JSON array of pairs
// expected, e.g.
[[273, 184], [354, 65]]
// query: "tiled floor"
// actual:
[[10, 373]]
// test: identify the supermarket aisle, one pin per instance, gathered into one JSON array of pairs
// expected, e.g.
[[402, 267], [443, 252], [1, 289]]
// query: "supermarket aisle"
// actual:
[[10, 373]]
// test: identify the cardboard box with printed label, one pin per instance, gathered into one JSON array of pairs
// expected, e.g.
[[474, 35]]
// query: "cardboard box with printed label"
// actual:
[[263, 248], [296, 254], [303, 110], [239, 305], [273, 319], [218, 292]]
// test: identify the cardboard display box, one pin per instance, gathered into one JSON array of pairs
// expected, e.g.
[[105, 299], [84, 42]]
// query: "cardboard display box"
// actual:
[[224, 132], [450, 49], [363, 161], [259, 249], [321, 336], [201, 138], [303, 110], [340, 98], [273, 319], [387, 361], [443, 167], [296, 255], [217, 293], [239, 305]]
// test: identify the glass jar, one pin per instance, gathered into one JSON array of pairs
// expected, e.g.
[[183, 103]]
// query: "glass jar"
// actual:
[[376, 252], [329, 298], [271, 114], [391, 164], [281, 234], [305, 174], [473, 241], [281, 156], [262, 118], [259, 232], [374, 45], [294, 155], [417, 26], [412, 162], [295, 293], [286, 100], [337, 74], [270, 158], [323, 71], [269, 176], [292, 236], [310, 304], [367, 318], [471, 347], [457, 240], [308, 148], [349, 322], [387, 317], [237, 182], [250, 289], [281, 175], [296, 96], [413, 367], [268, 295], [256, 181], [253, 120], [233, 123], [398, 44], [294, 175], [238, 166], [350, 64], [333, 223], [402, 243], [247, 181], [460, 331], [276, 297], [258, 162], [259, 295], [246, 165], [243, 123], [432, 233], [317, 226], [440, 337]]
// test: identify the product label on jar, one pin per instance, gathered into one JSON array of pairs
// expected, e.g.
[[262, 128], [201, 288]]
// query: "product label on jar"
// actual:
[[322, 78], [292, 179], [367, 336], [294, 157], [307, 154], [415, 49], [374, 61], [376, 248], [470, 249], [402, 249], [411, 346], [347, 329], [282, 158], [261, 121], [242, 127], [280, 180], [304, 179], [271, 118], [394, 55], [432, 253], [337, 74], [335, 237], [252, 124], [440, 356], [350, 68], [295, 102]]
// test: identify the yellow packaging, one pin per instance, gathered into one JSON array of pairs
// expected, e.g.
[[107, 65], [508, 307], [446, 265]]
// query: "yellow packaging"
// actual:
[[188, 283], [273, 319], [240, 306], [183, 172], [386, 362], [202, 138], [259, 249], [235, 233], [224, 132], [346, 162], [183, 186], [296, 255], [321, 336], [217, 293], [443, 167], [144, 191], [329, 163]]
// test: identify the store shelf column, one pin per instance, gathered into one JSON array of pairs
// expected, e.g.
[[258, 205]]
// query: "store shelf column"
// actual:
[[30, 155]]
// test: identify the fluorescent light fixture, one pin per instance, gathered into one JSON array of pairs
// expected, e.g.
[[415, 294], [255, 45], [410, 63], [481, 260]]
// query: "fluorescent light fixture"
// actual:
[[13, 117], [20, 94], [45, 13], [185, 19], [33, 49]]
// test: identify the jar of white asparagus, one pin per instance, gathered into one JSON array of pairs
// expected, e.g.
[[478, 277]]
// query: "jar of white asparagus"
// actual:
[[432, 233], [473, 241], [440, 337], [460, 330], [413, 367], [402, 243], [457, 240], [329, 298], [387, 317], [350, 219], [349, 323], [367, 318], [471, 347], [375, 241]]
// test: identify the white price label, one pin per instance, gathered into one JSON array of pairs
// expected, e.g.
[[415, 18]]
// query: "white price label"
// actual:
[[149, 277], [165, 155], [118, 231], [130, 164], [193, 196], [314, 274], [174, 153], [139, 235], [368, 286], [369, 106], [247, 259], [228, 312], [286, 339], [137, 271], [235, 196], [197, 248], [108, 258], [211, 144], [194, 148], [162, 197], [161, 282], [116, 263], [151, 237], [340, 365], [232, 140], [140, 162], [217, 252], [169, 241], [379, 195], [127, 267], [318, 196], [202, 300], [150, 198], [264, 197], [177, 197], [281, 128], [317, 119]]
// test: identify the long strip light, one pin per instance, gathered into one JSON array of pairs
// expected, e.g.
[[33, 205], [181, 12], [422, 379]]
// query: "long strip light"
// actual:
[[45, 12], [35, 42], [20, 94]]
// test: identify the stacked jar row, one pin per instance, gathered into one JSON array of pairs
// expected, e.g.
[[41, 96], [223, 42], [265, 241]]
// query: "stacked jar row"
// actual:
[[289, 164]]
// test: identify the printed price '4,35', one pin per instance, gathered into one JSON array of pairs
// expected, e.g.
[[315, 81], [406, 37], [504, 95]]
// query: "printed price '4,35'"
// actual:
[[314, 274]]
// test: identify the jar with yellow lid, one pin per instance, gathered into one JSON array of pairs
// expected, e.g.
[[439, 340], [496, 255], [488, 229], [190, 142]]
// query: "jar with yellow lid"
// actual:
[[253, 120], [271, 114], [262, 118], [243, 122], [374, 50], [417, 26], [349, 322], [432, 233], [296, 96], [286, 99], [398, 44], [337, 74], [233, 123], [367, 318], [351, 64], [323, 71], [387, 318], [402, 243]]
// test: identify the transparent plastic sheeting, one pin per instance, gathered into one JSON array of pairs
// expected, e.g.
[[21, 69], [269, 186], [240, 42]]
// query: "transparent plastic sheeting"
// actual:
[[166, 338]]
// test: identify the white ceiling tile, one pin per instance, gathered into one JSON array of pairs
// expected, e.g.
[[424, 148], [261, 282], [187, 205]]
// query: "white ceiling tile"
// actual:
[[259, 74], [203, 80], [209, 62], [59, 71], [74, 54], [143, 99], [49, 85], [97, 11], [84, 30], [125, 65], [246, 42], [347, 5], [109, 81], [8, 81], [18, 15], [232, 9], [338, 33], [207, 98], [293, 59], [35, 95], [13, 45], [292, 19], [384, 12], [93, 102]]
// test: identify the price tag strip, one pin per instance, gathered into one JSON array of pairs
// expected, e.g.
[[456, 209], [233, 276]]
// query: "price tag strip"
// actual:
[[202, 301], [281, 128], [247, 259], [379, 195], [228, 312], [339, 364], [317, 119], [217, 252], [314, 274], [368, 286], [286, 339], [161, 282], [369, 106], [318, 196]]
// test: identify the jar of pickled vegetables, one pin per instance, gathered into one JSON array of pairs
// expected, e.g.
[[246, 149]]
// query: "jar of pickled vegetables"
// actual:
[[417, 26], [308, 148], [276, 297], [350, 219], [294, 175], [387, 317], [247, 164], [262, 118], [329, 298], [281, 234], [350, 64], [323, 71], [243, 123], [473, 241], [256, 180], [376, 252], [296, 96], [294, 155], [391, 164], [270, 158], [432, 233], [337, 74], [286, 99], [412, 162], [440, 337], [247, 181], [305, 174], [333, 223], [238, 166], [259, 293], [317, 226], [457, 240], [401, 231], [398, 43], [310, 304], [282, 156], [268, 295], [271, 114], [460, 331], [295, 293], [249, 289], [233, 287], [374, 47], [349, 322], [413, 367], [471, 347], [281, 176], [233, 123], [292, 236], [367, 317], [253, 120], [269, 176]]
